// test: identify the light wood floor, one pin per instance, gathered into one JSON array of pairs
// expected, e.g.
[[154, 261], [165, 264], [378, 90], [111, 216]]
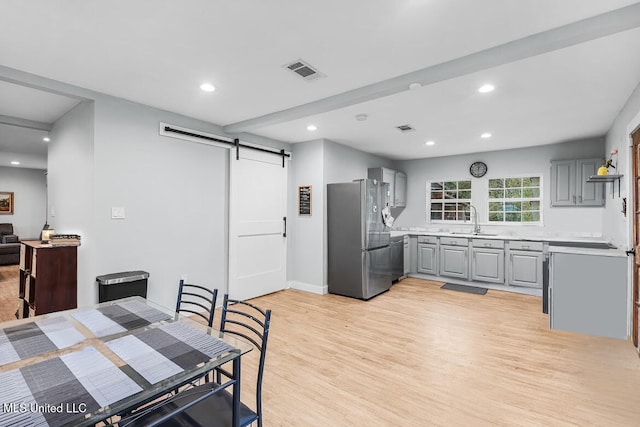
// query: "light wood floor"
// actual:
[[421, 356], [8, 292]]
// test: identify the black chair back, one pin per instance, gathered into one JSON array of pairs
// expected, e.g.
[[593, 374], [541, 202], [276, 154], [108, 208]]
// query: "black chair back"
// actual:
[[250, 322], [192, 296]]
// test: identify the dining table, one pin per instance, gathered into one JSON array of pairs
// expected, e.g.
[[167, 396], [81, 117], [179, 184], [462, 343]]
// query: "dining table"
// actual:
[[99, 363]]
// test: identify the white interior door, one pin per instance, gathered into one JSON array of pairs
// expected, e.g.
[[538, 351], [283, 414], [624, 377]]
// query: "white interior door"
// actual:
[[257, 244]]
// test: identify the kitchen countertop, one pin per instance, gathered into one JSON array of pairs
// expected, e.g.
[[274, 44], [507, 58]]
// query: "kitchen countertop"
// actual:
[[588, 251], [551, 238]]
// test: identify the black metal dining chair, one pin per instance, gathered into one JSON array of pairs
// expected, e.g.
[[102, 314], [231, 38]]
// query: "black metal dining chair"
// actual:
[[192, 296], [239, 318]]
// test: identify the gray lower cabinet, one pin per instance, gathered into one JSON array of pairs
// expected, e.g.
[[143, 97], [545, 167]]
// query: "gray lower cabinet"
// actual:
[[454, 261], [428, 258], [588, 294], [487, 265], [525, 268], [413, 254], [406, 255], [514, 263]]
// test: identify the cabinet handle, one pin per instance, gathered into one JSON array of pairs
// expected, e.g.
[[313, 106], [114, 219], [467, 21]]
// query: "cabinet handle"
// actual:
[[574, 199]]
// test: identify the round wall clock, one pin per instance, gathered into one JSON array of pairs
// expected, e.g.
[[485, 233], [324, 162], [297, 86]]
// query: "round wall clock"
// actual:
[[478, 169]]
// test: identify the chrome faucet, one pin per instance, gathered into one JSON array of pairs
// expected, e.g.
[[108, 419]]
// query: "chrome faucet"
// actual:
[[476, 227]]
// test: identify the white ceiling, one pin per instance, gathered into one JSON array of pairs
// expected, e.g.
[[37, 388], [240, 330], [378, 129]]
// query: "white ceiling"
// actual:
[[158, 53]]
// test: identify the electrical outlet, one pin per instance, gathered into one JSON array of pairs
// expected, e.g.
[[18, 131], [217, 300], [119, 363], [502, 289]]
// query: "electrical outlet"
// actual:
[[117, 213]]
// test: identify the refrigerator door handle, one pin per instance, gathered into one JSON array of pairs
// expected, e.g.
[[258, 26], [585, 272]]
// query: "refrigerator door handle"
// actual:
[[284, 234]]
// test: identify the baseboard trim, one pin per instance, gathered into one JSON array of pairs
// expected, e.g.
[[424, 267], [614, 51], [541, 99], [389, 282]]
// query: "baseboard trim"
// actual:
[[307, 287]]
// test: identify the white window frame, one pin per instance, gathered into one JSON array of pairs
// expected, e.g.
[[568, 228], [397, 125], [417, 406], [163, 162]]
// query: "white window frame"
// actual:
[[539, 199], [430, 201]]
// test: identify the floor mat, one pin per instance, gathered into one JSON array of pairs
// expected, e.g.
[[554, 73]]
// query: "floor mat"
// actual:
[[464, 288]]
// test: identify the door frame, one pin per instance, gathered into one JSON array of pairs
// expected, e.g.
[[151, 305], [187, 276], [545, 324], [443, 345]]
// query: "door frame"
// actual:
[[633, 126]]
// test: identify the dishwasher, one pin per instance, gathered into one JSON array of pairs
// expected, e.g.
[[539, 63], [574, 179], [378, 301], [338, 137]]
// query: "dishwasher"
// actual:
[[397, 258]]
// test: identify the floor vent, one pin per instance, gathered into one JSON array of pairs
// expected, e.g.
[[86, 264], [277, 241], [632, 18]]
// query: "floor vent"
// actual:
[[405, 128], [304, 70]]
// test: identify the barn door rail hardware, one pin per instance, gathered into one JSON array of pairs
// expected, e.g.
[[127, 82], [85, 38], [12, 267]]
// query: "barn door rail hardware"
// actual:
[[236, 143]]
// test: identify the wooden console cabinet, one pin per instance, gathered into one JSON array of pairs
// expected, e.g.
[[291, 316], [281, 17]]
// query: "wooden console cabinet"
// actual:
[[48, 278]]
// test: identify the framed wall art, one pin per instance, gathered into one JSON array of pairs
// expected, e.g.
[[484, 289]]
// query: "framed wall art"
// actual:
[[304, 200], [6, 202]]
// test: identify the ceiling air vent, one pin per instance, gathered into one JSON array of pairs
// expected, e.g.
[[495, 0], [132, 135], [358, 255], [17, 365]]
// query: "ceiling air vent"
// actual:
[[405, 128], [304, 70]]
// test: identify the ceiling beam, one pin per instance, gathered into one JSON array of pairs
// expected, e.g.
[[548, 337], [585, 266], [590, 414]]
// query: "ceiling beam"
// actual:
[[24, 123], [598, 26]]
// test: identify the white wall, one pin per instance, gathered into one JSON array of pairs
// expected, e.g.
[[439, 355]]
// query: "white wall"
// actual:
[[344, 164], [175, 195], [319, 163], [29, 188], [107, 153], [615, 224], [533, 160], [71, 188], [307, 248]]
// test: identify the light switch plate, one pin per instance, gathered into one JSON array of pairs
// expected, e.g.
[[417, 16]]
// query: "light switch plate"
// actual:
[[117, 213]]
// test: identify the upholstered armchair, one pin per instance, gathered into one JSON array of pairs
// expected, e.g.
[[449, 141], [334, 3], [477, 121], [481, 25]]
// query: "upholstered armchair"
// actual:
[[6, 234]]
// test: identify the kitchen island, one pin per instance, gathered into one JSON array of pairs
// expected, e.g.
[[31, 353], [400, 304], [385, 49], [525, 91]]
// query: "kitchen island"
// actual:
[[588, 291]]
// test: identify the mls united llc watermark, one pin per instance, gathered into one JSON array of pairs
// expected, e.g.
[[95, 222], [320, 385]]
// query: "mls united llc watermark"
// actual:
[[67, 408]]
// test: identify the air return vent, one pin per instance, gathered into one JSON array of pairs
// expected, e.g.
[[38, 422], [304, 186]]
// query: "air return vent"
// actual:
[[405, 128], [304, 70]]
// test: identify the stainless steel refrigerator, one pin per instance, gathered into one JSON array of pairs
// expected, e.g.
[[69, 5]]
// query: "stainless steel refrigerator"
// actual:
[[358, 240]]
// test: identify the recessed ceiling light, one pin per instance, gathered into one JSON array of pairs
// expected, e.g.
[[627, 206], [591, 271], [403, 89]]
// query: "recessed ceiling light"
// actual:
[[486, 88], [46, 139], [430, 143], [485, 135], [15, 163], [207, 87], [361, 117], [415, 85], [311, 128]]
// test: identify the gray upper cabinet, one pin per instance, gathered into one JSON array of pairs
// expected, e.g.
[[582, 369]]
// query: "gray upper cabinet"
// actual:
[[569, 186], [589, 193], [397, 191], [400, 193], [563, 182]]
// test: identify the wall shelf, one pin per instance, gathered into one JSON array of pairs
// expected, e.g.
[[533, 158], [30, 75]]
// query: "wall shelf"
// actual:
[[606, 178]]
